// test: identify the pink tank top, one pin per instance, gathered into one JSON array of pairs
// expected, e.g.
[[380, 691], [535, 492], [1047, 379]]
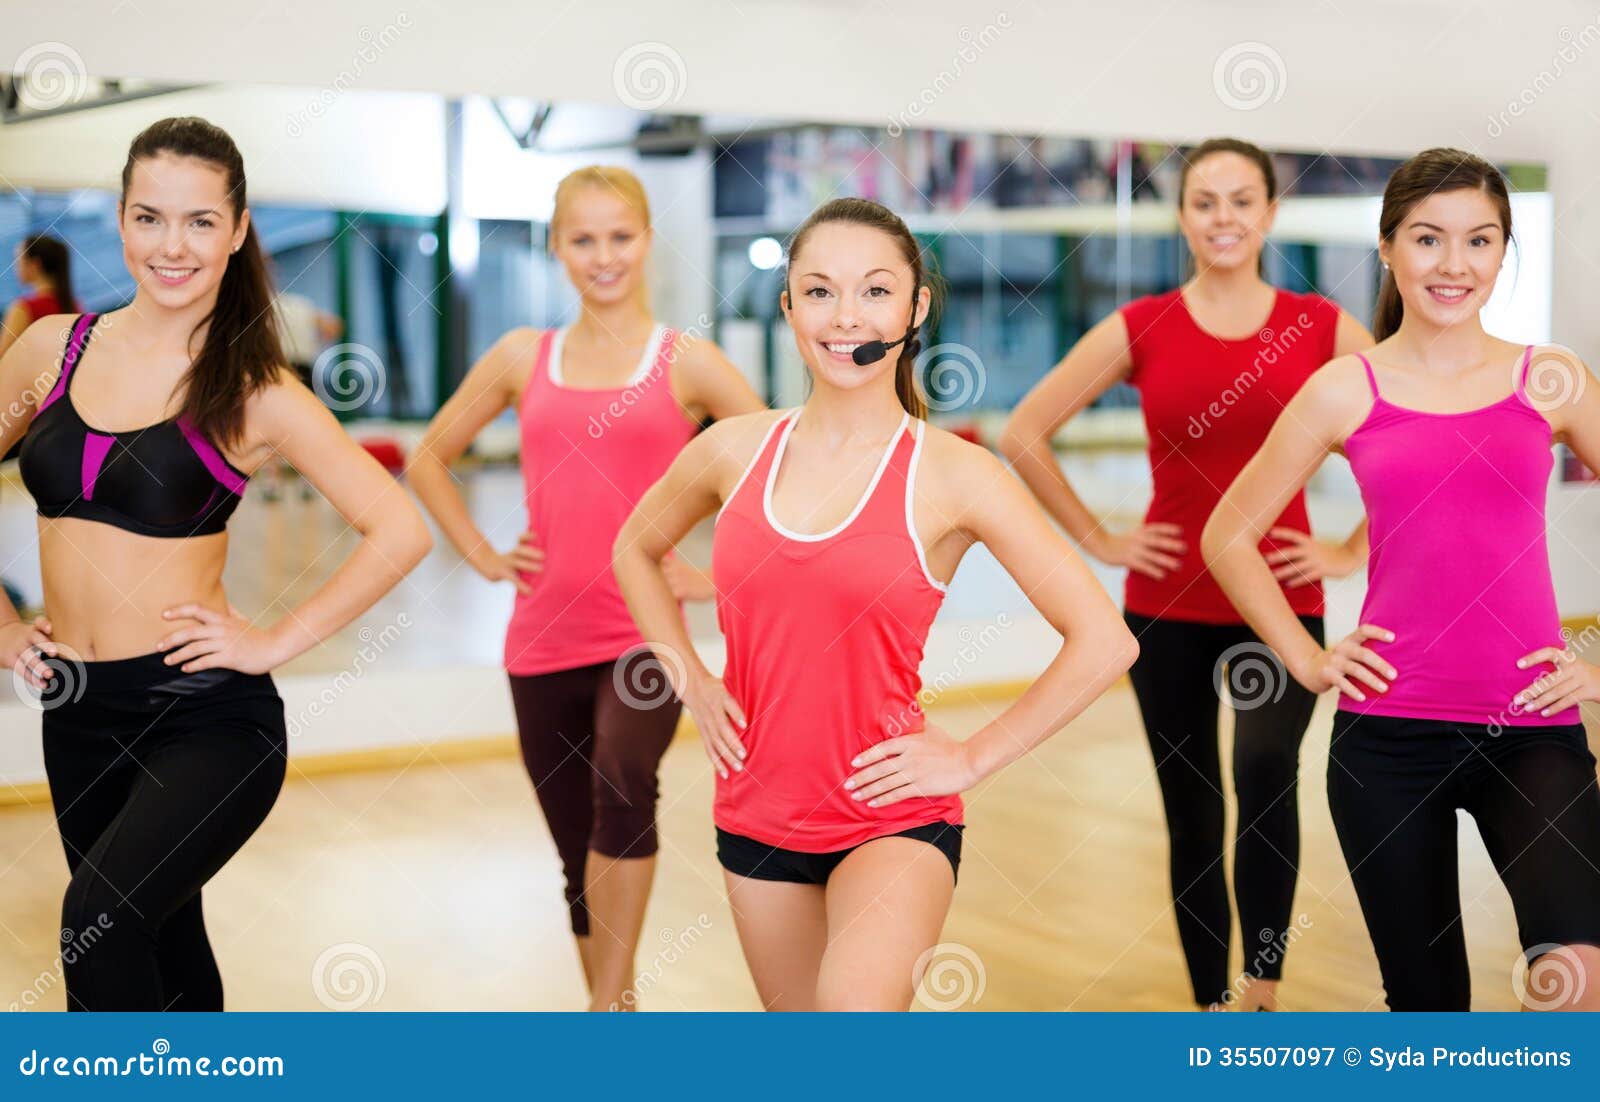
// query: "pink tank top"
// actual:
[[1459, 570], [588, 456], [825, 635]]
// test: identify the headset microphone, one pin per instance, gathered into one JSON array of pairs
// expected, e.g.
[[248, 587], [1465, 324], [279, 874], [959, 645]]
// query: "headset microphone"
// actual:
[[873, 351]]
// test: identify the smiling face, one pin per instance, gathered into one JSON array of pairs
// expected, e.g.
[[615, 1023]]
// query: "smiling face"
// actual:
[[1226, 214], [849, 284], [179, 228], [603, 242], [1446, 256]]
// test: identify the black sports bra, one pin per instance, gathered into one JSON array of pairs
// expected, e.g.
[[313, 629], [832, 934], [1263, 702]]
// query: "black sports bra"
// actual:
[[164, 479]]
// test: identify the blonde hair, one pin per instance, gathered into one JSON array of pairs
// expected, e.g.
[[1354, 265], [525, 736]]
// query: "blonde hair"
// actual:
[[619, 181]]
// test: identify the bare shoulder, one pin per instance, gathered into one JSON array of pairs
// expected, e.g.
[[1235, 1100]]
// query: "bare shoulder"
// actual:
[[1337, 391], [954, 474], [34, 359], [739, 437]]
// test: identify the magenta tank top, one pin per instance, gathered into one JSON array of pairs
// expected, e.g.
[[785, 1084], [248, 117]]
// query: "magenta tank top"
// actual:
[[1459, 569], [588, 456]]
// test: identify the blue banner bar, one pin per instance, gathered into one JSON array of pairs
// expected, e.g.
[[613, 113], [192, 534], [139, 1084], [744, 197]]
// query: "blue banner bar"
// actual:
[[765, 1058]]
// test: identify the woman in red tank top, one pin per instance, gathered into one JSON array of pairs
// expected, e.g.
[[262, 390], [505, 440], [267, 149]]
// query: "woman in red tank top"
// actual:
[[841, 523], [44, 265], [603, 406], [1213, 361]]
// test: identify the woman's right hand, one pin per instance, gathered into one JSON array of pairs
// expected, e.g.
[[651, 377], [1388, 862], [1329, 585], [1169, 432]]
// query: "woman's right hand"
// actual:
[[23, 647], [1348, 662], [524, 558], [1149, 549], [716, 714]]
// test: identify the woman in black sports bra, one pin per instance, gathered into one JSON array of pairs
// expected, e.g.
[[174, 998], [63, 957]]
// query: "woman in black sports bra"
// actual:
[[164, 736]]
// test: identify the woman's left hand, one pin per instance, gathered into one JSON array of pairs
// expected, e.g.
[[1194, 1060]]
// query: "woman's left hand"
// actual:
[[687, 581], [1305, 559], [929, 763], [226, 640], [1572, 682]]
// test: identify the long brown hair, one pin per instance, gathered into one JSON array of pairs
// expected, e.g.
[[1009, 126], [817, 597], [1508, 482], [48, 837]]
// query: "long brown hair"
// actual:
[[864, 212], [241, 354], [1428, 173], [55, 261]]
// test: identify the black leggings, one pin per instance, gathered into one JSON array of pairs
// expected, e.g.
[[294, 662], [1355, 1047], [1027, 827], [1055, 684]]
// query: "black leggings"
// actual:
[[1394, 786], [158, 777], [592, 739], [1178, 680]]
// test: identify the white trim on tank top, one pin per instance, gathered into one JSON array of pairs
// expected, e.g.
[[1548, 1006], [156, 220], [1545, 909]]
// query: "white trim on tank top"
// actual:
[[652, 349], [777, 461], [777, 422], [911, 523]]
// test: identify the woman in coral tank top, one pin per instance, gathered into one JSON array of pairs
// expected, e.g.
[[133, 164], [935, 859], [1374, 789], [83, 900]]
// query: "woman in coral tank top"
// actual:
[[603, 407], [841, 524], [1457, 691], [1214, 361]]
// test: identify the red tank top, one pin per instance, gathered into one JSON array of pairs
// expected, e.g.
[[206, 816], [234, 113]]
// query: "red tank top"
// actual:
[[1208, 404], [825, 635], [588, 456], [42, 304]]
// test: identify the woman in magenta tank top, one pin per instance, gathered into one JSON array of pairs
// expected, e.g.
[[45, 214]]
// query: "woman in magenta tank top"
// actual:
[[603, 406], [1456, 692], [1214, 361], [838, 809]]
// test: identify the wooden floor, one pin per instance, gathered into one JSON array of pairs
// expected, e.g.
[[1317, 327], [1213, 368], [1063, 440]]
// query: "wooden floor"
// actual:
[[436, 887]]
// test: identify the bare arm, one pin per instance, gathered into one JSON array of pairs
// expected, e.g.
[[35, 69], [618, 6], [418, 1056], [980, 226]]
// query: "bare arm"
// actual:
[[991, 507], [490, 386], [28, 369], [13, 325], [291, 422], [1316, 421], [1300, 559], [707, 380], [1569, 395], [691, 490], [1094, 365]]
